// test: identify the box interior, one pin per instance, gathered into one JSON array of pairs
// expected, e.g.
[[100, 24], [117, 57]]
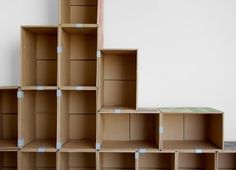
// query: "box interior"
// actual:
[[77, 160], [39, 56], [79, 11], [38, 161], [8, 160], [156, 161], [38, 118], [227, 161], [118, 76], [78, 62], [111, 161], [8, 118], [192, 131], [78, 119], [129, 131], [204, 161]]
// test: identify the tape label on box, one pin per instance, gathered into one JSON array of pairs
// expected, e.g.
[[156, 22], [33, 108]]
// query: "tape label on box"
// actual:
[[98, 54], [59, 49], [136, 155], [117, 111], [59, 145], [79, 88], [79, 25], [20, 142], [41, 150], [198, 151], [142, 150], [20, 94], [161, 130], [98, 146], [59, 93], [40, 88]]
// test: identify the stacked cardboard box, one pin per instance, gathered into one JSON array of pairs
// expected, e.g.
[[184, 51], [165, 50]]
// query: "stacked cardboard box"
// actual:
[[76, 107]]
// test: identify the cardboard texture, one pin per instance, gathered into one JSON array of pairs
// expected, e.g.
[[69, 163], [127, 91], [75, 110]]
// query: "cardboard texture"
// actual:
[[38, 117], [8, 118], [39, 56], [78, 62], [118, 79], [78, 11], [192, 128], [8, 160], [77, 120]]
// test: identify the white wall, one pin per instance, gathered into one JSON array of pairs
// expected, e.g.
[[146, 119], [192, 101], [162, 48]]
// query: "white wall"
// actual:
[[187, 48]]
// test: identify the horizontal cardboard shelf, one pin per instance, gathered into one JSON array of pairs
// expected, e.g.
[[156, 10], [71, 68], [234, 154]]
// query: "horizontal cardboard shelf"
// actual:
[[118, 78], [78, 11], [129, 131], [38, 119], [77, 113], [39, 56], [192, 128], [78, 61], [8, 118]]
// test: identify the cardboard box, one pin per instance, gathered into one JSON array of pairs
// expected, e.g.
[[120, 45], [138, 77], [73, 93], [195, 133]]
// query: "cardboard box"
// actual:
[[117, 79], [8, 160], [77, 120], [77, 59], [128, 131], [197, 161], [39, 56], [37, 160], [116, 160], [76, 160], [78, 11], [192, 128], [38, 120], [157, 160], [8, 118]]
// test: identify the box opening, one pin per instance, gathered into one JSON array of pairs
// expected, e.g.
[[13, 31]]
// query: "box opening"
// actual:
[[129, 131], [110, 161], [196, 161], [227, 161], [118, 77], [8, 160], [78, 61], [192, 131], [78, 119], [35, 161], [38, 119], [8, 119], [77, 160], [39, 56], [78, 11], [156, 161]]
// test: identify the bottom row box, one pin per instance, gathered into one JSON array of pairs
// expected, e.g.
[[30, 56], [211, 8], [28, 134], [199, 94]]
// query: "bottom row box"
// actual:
[[114, 160]]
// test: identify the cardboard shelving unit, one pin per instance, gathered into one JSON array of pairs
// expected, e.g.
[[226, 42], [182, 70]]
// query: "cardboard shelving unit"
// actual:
[[77, 119], [39, 56], [192, 128], [129, 131], [78, 61], [8, 118], [36, 160], [8, 160], [76, 160], [78, 11], [38, 120], [196, 161], [116, 160], [117, 79]]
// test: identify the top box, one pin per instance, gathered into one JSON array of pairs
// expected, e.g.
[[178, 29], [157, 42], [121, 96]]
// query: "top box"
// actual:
[[117, 79], [78, 11]]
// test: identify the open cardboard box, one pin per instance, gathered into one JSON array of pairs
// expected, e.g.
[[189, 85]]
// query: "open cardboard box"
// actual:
[[8, 118], [78, 11], [128, 131], [117, 79], [39, 56], [192, 128], [116, 160], [157, 161], [76, 160], [38, 120], [8, 160], [77, 116], [226, 160], [78, 61], [190, 161], [37, 161]]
